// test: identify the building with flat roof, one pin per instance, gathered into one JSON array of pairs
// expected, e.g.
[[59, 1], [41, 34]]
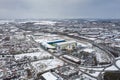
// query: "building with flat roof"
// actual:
[[47, 46], [51, 44], [68, 45], [50, 76], [56, 41]]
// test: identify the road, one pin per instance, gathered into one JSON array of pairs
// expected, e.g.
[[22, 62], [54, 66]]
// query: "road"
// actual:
[[103, 48]]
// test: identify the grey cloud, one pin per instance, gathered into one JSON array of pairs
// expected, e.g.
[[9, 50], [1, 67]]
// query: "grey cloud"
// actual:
[[59, 8]]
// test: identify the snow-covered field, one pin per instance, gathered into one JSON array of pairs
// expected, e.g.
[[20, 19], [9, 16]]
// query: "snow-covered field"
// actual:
[[45, 23]]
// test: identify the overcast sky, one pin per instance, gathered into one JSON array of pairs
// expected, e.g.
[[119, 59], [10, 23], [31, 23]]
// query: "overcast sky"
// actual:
[[59, 9]]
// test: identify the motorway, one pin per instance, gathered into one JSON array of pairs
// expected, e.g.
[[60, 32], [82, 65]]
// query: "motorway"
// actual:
[[103, 48]]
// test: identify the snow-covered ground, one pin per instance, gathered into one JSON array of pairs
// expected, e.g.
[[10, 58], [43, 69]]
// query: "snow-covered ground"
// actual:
[[5, 21], [111, 68], [46, 38], [101, 57], [88, 50], [39, 55], [45, 23], [44, 65], [117, 58], [96, 74], [81, 44], [1, 73], [118, 63], [85, 77], [49, 76], [96, 69]]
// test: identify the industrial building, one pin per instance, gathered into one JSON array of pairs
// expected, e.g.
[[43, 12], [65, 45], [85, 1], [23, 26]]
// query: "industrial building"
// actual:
[[51, 76], [67, 72], [71, 58], [59, 45], [69, 45], [47, 46], [51, 44], [56, 41]]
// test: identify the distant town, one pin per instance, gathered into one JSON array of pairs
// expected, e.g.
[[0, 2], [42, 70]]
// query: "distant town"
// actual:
[[60, 49]]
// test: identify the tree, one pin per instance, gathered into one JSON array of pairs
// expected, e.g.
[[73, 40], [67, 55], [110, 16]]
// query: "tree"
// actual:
[[29, 74]]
